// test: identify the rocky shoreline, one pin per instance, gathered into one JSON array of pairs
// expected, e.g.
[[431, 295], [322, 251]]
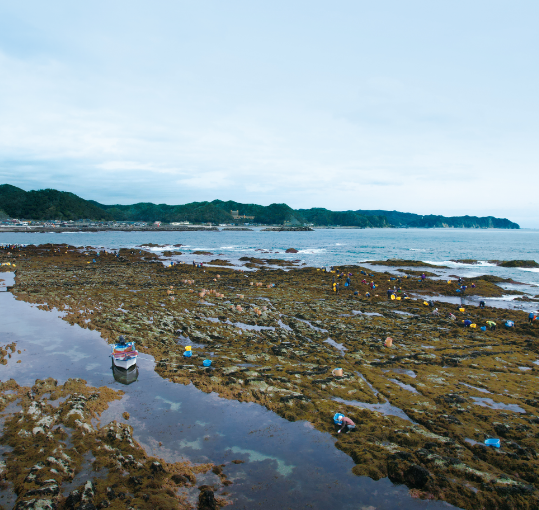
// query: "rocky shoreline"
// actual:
[[54, 435], [423, 407]]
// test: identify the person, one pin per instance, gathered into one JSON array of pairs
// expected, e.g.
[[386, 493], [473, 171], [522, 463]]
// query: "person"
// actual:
[[467, 323], [368, 294], [435, 311], [338, 288], [194, 264], [347, 425], [389, 293], [348, 282], [481, 304], [531, 317], [452, 317], [121, 340], [491, 325], [423, 276]]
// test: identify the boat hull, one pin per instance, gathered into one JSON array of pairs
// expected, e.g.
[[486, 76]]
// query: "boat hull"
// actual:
[[124, 363]]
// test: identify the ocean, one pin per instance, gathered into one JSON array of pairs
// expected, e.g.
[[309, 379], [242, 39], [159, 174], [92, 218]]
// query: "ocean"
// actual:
[[331, 247]]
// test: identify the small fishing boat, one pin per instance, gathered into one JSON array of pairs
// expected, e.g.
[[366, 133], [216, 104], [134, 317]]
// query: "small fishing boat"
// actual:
[[124, 355]]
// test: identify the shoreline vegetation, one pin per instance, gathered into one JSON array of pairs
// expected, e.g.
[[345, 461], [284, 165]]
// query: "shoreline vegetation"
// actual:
[[50, 204], [424, 402]]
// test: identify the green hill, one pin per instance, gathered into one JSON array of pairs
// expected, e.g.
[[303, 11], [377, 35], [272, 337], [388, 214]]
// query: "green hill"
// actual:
[[410, 220], [51, 204], [47, 204]]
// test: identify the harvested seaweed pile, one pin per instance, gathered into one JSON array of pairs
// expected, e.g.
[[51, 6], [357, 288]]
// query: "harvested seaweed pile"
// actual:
[[422, 407], [54, 440]]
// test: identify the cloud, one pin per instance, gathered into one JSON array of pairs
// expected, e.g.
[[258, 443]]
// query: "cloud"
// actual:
[[210, 104]]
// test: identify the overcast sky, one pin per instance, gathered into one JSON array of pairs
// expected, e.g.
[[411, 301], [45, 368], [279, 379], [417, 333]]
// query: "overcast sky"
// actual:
[[418, 106]]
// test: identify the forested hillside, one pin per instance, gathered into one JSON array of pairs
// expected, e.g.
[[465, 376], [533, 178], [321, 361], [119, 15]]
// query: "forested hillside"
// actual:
[[51, 204]]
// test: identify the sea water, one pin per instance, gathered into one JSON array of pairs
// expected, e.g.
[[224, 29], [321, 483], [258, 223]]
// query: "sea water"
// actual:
[[324, 247]]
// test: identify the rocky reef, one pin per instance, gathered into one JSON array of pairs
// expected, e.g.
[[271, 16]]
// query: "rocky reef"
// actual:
[[55, 439], [423, 406]]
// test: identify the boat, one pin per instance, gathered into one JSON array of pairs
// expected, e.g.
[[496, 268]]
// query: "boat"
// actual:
[[123, 354]]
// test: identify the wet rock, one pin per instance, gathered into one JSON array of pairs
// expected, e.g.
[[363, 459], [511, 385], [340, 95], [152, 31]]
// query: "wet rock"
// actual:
[[36, 504], [73, 499], [206, 499], [157, 467], [179, 479]]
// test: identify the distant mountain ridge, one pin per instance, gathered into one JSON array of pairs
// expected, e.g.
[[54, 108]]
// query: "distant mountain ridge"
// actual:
[[51, 204]]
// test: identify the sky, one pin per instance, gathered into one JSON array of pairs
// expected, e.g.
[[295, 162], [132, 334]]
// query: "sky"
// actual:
[[417, 106]]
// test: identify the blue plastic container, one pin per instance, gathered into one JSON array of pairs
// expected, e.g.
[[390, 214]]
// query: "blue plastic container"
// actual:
[[207, 362], [337, 418], [493, 442], [187, 354], [483, 328]]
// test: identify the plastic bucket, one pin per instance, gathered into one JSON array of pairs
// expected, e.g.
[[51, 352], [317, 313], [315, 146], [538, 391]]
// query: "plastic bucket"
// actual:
[[337, 372], [187, 347], [207, 362], [483, 328], [337, 418], [493, 442]]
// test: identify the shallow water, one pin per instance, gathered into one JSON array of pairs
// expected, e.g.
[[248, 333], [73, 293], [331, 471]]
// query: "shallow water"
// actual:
[[340, 347], [287, 465], [411, 373], [482, 390], [404, 386], [488, 402], [386, 408]]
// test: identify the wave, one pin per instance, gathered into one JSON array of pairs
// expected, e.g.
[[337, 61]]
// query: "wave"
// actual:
[[314, 251], [452, 263], [530, 269]]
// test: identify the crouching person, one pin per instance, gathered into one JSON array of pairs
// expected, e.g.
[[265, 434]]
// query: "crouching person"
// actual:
[[347, 425]]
